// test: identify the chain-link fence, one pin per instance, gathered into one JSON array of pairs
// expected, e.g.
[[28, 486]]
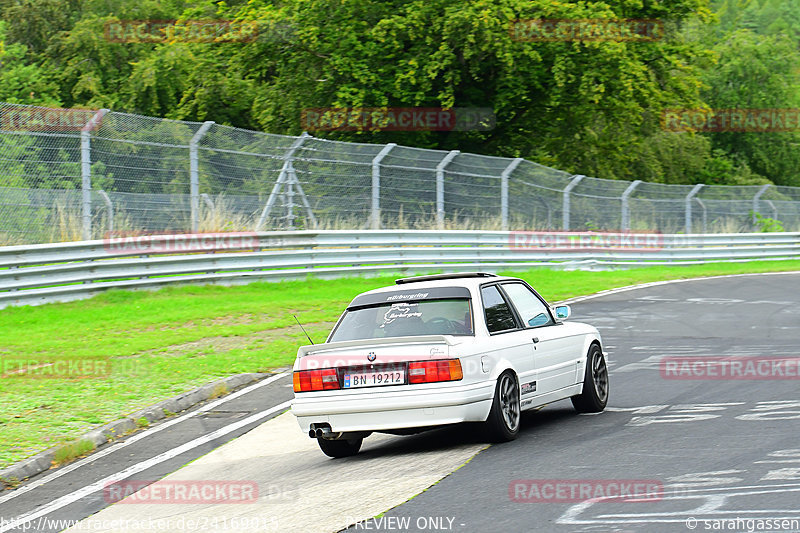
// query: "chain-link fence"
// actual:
[[72, 175]]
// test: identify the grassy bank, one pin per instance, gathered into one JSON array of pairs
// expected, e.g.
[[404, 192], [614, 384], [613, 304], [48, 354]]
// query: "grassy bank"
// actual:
[[163, 343]]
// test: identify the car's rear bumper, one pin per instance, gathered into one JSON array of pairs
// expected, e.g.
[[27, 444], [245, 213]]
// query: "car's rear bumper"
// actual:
[[394, 409]]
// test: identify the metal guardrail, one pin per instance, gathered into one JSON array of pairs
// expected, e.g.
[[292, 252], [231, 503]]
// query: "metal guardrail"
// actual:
[[36, 274]]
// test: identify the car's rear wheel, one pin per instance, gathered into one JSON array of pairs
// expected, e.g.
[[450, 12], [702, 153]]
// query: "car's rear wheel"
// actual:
[[594, 397], [340, 448], [504, 417]]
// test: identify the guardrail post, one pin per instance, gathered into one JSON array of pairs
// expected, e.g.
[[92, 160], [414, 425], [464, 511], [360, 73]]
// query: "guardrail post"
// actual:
[[565, 207], [375, 213], [86, 173], [194, 174], [756, 198], [440, 185], [504, 191], [688, 213], [626, 216]]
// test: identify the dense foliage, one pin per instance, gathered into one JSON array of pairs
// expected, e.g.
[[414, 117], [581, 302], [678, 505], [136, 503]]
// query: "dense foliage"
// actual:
[[590, 107]]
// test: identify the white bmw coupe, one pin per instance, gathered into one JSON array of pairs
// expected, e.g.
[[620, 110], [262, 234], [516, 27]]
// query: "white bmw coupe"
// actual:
[[444, 349]]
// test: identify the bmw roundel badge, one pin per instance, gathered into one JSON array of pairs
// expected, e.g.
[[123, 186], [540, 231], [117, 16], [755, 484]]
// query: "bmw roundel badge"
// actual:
[[371, 356]]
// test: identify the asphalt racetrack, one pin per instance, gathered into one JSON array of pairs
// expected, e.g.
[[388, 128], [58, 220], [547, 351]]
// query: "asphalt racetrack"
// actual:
[[699, 450]]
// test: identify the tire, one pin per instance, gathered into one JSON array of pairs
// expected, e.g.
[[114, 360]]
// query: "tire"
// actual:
[[504, 417], [594, 397], [340, 448]]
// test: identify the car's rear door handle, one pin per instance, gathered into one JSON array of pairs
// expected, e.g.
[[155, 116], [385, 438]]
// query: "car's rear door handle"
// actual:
[[535, 340]]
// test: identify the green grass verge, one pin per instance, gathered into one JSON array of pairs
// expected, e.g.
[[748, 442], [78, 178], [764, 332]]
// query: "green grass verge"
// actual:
[[163, 343]]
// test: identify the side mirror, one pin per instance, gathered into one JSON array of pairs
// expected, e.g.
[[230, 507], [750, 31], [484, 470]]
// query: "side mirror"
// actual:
[[563, 312]]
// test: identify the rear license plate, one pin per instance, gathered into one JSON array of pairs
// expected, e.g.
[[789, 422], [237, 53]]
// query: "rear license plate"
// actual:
[[374, 379]]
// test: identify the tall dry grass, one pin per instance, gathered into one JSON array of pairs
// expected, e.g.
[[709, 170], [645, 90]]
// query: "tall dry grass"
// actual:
[[222, 217]]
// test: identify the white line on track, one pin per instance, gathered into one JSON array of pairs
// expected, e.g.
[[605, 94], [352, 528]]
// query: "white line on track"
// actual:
[[715, 498], [136, 438], [139, 467]]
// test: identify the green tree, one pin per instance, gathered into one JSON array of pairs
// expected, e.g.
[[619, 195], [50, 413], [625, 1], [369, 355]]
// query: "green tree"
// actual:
[[590, 107], [757, 72], [578, 105], [22, 82], [32, 23], [90, 69]]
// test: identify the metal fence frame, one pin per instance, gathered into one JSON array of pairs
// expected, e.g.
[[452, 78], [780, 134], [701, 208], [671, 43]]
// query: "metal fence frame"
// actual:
[[35, 274], [305, 182]]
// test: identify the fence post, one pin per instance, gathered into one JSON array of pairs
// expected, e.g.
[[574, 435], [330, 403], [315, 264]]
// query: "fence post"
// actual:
[[504, 191], [282, 180], [440, 185], [375, 214], [688, 213], [774, 209], [86, 173], [626, 216], [756, 198], [705, 214], [194, 174], [565, 207], [109, 209]]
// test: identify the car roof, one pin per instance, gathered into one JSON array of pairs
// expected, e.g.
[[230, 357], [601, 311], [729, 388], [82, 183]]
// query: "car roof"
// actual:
[[469, 280]]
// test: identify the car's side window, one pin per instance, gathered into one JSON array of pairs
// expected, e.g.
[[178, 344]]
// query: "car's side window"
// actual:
[[530, 308], [498, 313]]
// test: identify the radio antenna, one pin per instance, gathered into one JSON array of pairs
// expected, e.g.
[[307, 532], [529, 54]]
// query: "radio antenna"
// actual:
[[304, 329]]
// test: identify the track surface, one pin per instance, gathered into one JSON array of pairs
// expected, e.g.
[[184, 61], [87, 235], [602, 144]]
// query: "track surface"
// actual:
[[722, 449]]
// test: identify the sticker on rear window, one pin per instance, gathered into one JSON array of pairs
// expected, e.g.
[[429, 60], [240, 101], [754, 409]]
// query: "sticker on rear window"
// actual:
[[400, 311]]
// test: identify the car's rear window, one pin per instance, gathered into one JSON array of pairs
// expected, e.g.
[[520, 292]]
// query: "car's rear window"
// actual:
[[403, 319]]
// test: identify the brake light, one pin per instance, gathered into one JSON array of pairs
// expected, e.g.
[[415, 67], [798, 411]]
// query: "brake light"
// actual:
[[433, 371], [314, 380]]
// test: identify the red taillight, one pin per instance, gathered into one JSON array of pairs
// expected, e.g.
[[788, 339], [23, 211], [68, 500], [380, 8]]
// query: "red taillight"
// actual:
[[433, 371], [313, 380]]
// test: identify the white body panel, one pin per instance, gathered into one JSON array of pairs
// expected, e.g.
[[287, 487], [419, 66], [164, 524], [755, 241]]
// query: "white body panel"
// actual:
[[548, 370]]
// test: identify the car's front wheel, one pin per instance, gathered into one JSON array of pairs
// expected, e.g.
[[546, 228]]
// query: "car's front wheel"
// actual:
[[594, 397], [341, 447], [503, 422]]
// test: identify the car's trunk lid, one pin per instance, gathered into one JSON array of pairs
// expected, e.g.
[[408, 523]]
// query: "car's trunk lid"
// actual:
[[374, 352]]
